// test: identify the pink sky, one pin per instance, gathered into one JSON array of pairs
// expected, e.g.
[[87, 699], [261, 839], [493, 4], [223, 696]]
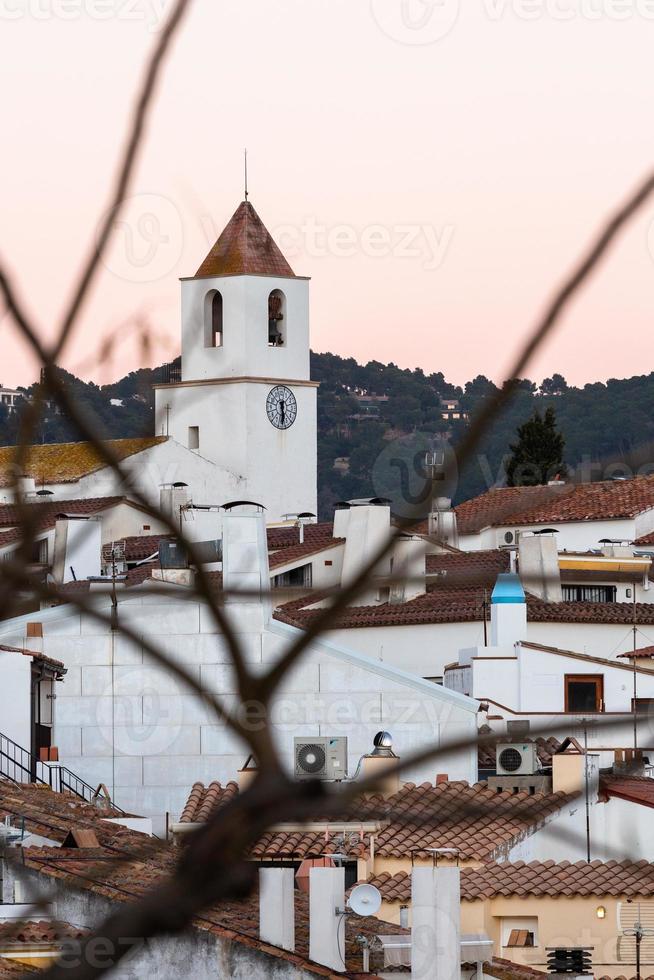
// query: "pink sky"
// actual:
[[433, 188]]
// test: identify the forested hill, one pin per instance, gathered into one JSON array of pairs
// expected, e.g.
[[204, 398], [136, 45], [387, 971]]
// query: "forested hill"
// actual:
[[363, 409]]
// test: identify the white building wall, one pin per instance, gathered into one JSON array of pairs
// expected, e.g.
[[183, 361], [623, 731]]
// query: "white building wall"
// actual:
[[15, 697], [571, 536], [127, 723]]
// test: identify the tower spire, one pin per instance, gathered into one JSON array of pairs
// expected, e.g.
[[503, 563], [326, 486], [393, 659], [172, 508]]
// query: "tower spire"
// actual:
[[245, 167]]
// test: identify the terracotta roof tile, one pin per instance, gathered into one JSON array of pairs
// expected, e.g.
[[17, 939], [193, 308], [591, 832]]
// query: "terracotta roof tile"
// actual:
[[636, 789], [478, 821], [545, 747], [647, 652], [30, 933], [539, 878], [67, 462], [245, 247], [606, 500], [53, 815], [136, 547], [57, 665]]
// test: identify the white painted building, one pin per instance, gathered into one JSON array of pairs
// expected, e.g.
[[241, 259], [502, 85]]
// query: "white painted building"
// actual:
[[127, 723], [245, 399]]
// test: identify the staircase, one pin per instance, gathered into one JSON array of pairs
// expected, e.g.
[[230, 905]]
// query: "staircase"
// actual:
[[20, 766]]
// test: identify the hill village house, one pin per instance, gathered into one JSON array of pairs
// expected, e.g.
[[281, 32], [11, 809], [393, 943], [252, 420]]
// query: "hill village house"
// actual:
[[524, 609]]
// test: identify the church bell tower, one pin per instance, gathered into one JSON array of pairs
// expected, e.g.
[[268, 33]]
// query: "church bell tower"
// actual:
[[245, 400]]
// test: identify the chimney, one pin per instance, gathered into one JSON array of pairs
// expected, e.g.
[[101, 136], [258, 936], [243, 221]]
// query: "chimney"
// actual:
[[77, 549], [538, 559], [378, 762], [408, 568], [508, 611], [442, 522], [203, 526], [25, 488], [245, 553], [569, 769], [277, 907], [326, 901], [341, 519], [436, 923], [172, 497], [368, 528]]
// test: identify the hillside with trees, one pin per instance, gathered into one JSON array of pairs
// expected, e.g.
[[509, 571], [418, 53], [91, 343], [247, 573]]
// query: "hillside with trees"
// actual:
[[366, 410]]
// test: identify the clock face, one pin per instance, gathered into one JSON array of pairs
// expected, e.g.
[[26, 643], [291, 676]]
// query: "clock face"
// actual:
[[281, 407]]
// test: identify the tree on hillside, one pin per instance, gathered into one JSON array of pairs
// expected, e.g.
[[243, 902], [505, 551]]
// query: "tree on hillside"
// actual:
[[537, 456]]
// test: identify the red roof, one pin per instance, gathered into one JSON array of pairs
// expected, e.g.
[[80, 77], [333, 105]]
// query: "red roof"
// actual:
[[645, 652], [539, 878], [635, 789], [245, 248], [506, 506], [478, 821], [56, 665], [30, 933]]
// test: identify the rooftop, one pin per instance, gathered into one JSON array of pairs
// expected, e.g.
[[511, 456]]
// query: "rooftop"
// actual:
[[538, 879], [67, 462], [245, 247], [606, 500], [479, 822]]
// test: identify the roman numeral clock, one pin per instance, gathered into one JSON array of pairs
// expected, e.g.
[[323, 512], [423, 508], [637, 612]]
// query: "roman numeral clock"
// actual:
[[281, 407]]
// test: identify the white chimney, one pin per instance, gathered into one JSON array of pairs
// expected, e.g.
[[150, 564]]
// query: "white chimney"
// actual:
[[442, 522], [408, 568], [277, 907], [172, 497], [508, 611], [77, 549], [203, 526], [245, 554], [368, 528], [341, 520], [436, 923], [326, 928], [538, 559], [25, 488]]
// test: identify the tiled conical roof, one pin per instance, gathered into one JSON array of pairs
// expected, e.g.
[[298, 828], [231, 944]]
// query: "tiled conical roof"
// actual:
[[245, 247]]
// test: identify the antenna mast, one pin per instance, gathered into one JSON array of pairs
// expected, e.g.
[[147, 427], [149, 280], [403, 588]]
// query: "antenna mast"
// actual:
[[245, 165]]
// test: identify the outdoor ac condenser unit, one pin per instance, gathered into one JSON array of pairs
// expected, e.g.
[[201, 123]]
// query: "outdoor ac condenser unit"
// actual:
[[517, 759], [321, 758]]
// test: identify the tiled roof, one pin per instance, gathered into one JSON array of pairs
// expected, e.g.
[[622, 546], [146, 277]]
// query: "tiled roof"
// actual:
[[503, 969], [67, 462], [476, 820], [606, 500], [203, 800], [298, 551], [539, 878], [31, 933], [646, 652], [56, 665], [441, 604], [53, 815], [136, 547], [646, 541], [9, 969], [236, 921], [635, 789], [245, 247]]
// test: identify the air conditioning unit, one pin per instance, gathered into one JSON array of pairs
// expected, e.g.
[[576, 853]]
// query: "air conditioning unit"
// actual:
[[321, 758], [517, 759], [507, 538]]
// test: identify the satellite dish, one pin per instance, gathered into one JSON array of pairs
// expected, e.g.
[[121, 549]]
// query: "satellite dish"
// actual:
[[365, 900]]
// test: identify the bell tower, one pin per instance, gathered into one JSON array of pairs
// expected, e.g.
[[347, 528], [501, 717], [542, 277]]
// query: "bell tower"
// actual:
[[245, 399]]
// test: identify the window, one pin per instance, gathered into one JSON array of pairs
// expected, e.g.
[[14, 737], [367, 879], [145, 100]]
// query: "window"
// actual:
[[297, 578], [213, 319], [194, 437], [276, 318], [519, 931], [584, 692], [589, 593]]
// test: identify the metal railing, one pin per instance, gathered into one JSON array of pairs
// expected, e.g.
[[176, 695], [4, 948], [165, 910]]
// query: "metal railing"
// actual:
[[19, 765]]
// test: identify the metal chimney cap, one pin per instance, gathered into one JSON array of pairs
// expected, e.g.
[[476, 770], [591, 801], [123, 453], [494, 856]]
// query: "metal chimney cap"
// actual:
[[383, 745]]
